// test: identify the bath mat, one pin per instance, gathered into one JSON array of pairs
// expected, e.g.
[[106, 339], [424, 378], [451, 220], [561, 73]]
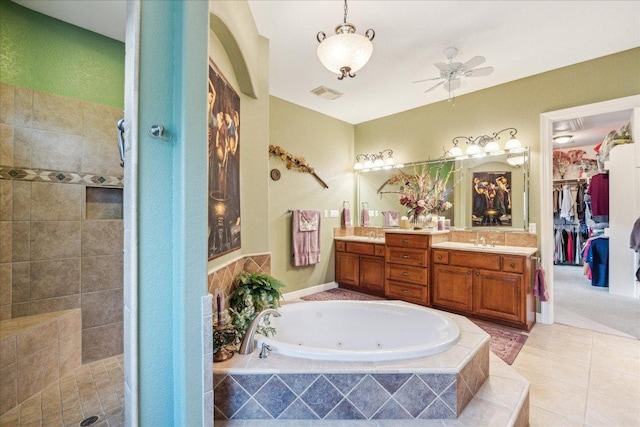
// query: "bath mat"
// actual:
[[505, 342], [339, 294]]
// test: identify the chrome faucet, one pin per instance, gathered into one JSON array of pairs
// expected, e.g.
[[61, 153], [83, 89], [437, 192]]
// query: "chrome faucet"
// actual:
[[248, 346], [483, 241]]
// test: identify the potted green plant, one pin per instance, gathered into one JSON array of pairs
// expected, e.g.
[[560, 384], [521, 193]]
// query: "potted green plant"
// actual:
[[252, 293]]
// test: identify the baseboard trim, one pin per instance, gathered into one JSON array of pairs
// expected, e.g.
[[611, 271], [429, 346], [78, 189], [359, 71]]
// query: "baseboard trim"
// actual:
[[289, 296]]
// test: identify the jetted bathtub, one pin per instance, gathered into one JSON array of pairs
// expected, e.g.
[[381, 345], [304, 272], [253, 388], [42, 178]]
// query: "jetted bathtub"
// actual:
[[360, 331]]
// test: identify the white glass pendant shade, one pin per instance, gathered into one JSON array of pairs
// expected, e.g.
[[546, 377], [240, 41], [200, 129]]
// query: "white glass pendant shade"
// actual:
[[345, 50], [368, 164], [473, 149], [455, 151], [512, 144], [390, 161], [492, 146], [357, 166], [378, 162]]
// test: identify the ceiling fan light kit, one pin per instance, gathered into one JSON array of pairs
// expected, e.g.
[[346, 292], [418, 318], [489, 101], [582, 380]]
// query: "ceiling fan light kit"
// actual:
[[345, 52]]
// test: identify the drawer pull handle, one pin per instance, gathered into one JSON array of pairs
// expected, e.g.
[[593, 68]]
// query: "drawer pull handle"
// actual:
[[477, 273], [405, 291], [404, 273], [405, 241], [468, 272], [405, 256], [512, 264], [439, 256]]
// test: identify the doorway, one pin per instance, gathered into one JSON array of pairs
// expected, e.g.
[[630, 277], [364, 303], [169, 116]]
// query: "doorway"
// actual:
[[568, 277]]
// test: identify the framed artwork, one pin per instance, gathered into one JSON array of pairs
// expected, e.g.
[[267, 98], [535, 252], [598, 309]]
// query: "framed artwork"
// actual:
[[491, 199], [224, 165]]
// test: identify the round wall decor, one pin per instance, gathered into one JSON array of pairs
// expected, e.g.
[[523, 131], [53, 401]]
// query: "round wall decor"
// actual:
[[275, 174]]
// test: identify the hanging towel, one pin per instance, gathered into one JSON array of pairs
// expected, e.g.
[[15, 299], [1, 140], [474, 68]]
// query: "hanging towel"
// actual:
[[540, 285], [305, 237], [346, 217], [365, 217], [392, 219]]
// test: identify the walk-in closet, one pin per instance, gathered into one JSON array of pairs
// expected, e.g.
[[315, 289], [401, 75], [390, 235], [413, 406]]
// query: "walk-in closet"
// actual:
[[595, 204]]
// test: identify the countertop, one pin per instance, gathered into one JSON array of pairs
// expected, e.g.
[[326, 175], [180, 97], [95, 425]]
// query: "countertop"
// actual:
[[509, 250]]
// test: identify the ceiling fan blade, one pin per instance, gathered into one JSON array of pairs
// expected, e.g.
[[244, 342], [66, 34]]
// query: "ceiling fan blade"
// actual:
[[473, 62], [426, 80], [452, 84], [433, 87], [442, 66], [479, 72]]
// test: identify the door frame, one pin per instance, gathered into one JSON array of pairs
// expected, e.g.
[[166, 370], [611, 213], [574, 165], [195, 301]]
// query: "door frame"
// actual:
[[546, 181]]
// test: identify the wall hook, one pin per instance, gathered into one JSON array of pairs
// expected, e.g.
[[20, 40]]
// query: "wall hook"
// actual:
[[157, 132]]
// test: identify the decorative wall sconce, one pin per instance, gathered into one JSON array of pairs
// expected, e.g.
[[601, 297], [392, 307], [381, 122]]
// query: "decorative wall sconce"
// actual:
[[345, 52], [485, 145], [366, 162]]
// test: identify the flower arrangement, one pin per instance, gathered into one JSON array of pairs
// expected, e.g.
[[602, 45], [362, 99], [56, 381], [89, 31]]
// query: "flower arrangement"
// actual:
[[426, 190]]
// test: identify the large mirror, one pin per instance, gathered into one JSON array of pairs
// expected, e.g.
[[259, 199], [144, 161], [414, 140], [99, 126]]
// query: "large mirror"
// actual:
[[488, 192]]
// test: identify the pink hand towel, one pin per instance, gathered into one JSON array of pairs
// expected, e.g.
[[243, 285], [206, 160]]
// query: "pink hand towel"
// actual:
[[305, 237], [540, 285], [365, 217], [346, 217]]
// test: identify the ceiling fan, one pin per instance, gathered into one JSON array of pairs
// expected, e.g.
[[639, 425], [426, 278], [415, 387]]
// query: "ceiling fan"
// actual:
[[452, 73]]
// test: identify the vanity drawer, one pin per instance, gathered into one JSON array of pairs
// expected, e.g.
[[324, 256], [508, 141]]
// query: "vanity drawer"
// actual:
[[440, 257], [406, 273], [482, 260], [378, 250], [360, 248], [407, 240], [341, 245], [407, 256], [407, 292], [513, 264]]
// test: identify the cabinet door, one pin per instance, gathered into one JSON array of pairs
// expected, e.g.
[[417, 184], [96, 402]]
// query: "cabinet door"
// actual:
[[453, 287], [499, 295], [347, 268], [372, 274]]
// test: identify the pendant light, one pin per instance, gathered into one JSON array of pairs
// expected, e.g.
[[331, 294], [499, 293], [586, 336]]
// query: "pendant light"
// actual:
[[345, 52]]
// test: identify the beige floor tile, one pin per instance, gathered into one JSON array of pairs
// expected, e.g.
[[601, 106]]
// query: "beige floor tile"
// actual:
[[617, 342], [556, 396], [614, 383], [604, 409], [553, 365], [539, 417], [568, 333], [617, 360], [562, 346], [502, 391]]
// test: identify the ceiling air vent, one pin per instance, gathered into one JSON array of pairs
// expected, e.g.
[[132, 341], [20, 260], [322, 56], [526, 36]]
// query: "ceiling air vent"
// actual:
[[326, 93]]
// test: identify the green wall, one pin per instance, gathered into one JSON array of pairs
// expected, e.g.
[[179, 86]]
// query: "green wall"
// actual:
[[420, 133], [327, 146], [48, 55]]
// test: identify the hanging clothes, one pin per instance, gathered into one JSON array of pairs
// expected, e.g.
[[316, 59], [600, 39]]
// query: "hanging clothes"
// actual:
[[567, 204], [597, 257], [599, 192]]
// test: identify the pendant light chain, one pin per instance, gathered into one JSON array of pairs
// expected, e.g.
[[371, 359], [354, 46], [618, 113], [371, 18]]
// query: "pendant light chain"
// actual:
[[346, 9]]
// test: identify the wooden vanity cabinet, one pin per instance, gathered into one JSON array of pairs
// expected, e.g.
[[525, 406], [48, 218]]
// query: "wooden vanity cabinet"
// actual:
[[491, 286], [407, 267], [360, 266]]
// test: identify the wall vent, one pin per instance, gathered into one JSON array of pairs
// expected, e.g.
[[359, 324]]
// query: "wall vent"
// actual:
[[326, 93]]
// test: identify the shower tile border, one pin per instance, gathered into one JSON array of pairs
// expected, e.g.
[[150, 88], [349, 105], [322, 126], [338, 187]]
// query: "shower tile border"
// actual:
[[11, 173]]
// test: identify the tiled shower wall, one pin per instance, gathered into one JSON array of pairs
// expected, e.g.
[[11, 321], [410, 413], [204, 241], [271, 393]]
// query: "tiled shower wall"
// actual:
[[59, 248]]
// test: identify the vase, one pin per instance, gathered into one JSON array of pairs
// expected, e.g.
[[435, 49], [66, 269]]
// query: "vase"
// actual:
[[417, 222]]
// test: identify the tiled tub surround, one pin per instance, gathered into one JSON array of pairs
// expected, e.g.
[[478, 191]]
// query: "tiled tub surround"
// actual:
[[434, 387], [36, 351], [55, 252]]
